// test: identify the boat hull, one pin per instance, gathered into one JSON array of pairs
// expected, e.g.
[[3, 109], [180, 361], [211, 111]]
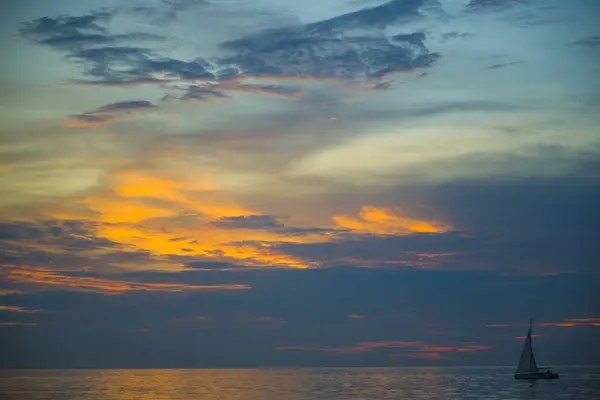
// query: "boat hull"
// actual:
[[536, 376]]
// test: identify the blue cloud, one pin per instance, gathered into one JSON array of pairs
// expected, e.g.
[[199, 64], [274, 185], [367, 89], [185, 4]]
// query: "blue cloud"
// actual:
[[330, 48]]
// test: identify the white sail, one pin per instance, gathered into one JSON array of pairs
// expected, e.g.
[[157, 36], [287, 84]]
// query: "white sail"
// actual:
[[527, 362]]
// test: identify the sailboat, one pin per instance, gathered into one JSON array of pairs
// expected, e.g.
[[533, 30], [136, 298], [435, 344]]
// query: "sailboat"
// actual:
[[528, 368]]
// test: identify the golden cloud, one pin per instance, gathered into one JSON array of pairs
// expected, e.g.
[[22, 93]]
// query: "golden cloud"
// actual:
[[384, 221], [171, 212]]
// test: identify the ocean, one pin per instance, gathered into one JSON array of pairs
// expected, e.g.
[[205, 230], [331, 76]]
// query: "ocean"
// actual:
[[488, 383]]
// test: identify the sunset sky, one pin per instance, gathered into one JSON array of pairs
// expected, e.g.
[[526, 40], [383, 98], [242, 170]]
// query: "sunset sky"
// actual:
[[228, 183]]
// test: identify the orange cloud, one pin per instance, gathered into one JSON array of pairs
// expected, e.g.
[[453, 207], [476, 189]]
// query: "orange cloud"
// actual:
[[17, 309], [364, 347], [168, 216], [44, 276], [171, 212], [524, 337], [384, 221], [570, 322]]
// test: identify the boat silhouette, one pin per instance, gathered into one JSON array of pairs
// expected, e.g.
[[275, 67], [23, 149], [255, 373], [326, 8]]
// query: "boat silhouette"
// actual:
[[527, 367]]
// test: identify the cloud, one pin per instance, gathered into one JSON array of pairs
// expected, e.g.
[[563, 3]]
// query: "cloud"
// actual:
[[510, 239], [151, 213], [524, 337], [285, 92], [570, 322], [199, 93], [67, 32], [503, 65], [421, 350], [45, 277], [383, 86], [356, 316], [227, 328], [591, 41], [313, 50], [112, 113], [212, 265], [376, 250], [249, 222], [166, 11], [383, 221], [493, 5], [456, 35], [18, 324], [65, 235], [17, 309]]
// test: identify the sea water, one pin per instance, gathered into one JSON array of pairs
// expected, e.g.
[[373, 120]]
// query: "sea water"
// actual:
[[296, 384]]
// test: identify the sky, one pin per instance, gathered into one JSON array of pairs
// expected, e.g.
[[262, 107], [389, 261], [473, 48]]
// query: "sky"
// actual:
[[224, 183]]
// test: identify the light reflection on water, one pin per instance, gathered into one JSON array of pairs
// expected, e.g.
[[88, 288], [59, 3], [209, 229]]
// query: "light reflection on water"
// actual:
[[296, 384]]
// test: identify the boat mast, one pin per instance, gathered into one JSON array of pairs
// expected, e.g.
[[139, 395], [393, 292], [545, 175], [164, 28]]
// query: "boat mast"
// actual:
[[529, 340]]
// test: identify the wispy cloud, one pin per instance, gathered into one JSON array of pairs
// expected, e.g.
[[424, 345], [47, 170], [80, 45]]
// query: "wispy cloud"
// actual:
[[95, 283], [383, 221], [112, 113], [417, 349], [8, 324], [493, 5], [17, 309], [571, 322], [503, 65], [312, 50], [591, 41]]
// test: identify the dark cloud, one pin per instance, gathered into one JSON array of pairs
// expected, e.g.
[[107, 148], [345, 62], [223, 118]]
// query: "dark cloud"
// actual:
[[213, 265], [282, 91], [313, 50], [228, 328], [68, 235], [543, 225], [456, 35], [485, 5], [382, 250], [166, 11], [379, 16], [383, 86], [199, 93], [269, 223], [503, 65], [67, 245], [591, 41], [68, 31], [300, 52], [249, 222], [113, 112]]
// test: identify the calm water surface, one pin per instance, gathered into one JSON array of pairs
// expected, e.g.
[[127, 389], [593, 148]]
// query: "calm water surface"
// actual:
[[296, 384]]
